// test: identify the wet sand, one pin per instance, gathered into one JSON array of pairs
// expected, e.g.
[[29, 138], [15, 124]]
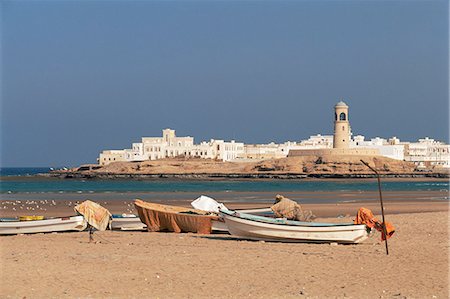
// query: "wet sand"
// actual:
[[323, 204]]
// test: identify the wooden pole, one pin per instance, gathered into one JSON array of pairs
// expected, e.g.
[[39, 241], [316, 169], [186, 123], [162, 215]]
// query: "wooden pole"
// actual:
[[381, 202], [91, 234]]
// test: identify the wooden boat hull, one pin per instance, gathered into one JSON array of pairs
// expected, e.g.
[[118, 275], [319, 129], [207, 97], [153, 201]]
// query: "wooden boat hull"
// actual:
[[159, 217], [74, 223], [256, 228]]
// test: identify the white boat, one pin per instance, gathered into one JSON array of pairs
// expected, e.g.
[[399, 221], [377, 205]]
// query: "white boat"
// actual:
[[221, 227], [279, 229], [127, 222], [60, 224], [208, 204]]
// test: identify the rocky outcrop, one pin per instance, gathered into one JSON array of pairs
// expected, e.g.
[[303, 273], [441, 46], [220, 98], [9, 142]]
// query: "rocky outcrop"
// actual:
[[286, 168]]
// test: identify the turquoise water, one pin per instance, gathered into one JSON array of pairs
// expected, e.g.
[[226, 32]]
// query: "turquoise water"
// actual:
[[95, 186], [21, 180], [22, 171]]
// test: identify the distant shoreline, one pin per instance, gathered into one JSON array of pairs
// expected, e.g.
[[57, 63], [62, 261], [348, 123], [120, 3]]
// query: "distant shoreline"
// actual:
[[228, 177], [244, 176]]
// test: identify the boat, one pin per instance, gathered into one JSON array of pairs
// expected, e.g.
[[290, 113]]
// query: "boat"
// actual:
[[209, 204], [262, 228], [220, 226], [160, 217], [127, 222], [11, 226]]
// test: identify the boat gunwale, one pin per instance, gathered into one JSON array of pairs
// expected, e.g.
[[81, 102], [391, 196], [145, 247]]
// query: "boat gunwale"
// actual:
[[30, 222], [288, 222]]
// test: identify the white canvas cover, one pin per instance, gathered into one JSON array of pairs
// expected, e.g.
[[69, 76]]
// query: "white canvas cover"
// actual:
[[208, 204]]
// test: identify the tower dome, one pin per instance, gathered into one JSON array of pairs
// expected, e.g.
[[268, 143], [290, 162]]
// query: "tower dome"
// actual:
[[341, 104]]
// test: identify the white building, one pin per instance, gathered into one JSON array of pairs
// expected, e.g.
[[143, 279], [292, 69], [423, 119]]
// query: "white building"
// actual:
[[170, 146], [275, 151], [424, 153], [111, 156], [428, 152], [136, 153], [262, 151], [167, 146], [317, 142], [388, 148]]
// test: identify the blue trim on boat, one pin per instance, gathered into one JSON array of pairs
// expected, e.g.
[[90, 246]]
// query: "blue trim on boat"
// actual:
[[124, 216], [9, 219], [280, 221]]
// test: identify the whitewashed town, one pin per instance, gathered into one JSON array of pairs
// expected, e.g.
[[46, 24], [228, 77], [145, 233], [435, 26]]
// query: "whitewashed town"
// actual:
[[425, 152]]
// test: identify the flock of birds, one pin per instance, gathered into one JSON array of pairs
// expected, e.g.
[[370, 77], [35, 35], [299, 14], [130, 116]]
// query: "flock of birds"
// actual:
[[29, 205], [44, 205]]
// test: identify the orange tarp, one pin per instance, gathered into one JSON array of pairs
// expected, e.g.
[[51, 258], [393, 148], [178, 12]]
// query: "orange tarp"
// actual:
[[160, 217], [365, 216]]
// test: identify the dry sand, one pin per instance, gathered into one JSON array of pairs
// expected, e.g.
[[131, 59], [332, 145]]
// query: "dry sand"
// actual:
[[167, 265]]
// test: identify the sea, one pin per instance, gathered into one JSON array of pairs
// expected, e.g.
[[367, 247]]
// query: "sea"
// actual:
[[25, 183]]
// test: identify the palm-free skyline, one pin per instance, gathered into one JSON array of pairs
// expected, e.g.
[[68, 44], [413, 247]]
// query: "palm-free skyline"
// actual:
[[82, 76]]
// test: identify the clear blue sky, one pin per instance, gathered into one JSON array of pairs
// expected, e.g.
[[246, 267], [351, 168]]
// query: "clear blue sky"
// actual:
[[82, 76]]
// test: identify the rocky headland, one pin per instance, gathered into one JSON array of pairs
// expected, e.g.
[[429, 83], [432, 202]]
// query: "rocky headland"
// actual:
[[286, 168]]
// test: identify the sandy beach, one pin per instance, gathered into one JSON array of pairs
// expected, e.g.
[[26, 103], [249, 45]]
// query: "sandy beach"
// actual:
[[167, 265], [336, 106]]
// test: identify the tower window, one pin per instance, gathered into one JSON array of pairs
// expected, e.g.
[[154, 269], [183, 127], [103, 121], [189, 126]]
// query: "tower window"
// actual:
[[342, 116], [343, 128], [335, 116]]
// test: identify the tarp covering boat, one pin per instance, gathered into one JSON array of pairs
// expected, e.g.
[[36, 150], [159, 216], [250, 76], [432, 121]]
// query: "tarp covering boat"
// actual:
[[159, 217], [208, 204], [289, 209], [96, 215]]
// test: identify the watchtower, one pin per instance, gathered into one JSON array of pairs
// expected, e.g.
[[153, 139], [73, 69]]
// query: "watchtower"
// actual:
[[341, 126]]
